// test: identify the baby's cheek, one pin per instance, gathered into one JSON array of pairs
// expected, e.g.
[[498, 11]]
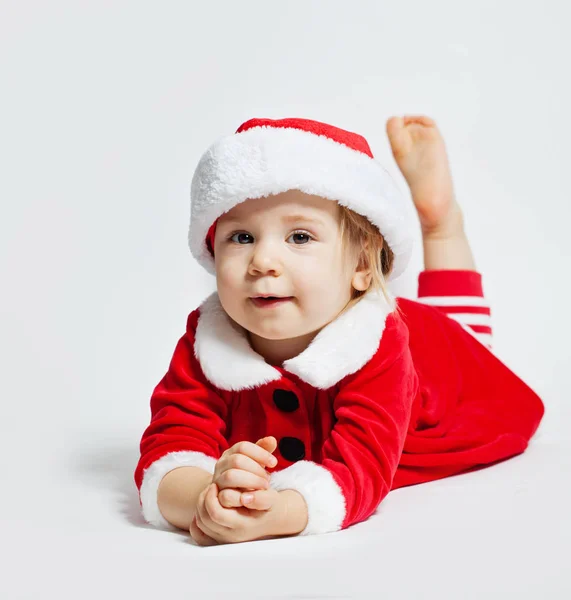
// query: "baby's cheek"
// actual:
[[225, 274], [317, 282]]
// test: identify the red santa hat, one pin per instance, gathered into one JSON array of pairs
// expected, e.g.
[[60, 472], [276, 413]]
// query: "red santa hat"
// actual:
[[270, 156]]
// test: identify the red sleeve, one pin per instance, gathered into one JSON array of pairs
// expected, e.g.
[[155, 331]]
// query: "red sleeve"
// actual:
[[460, 295], [188, 423], [360, 458]]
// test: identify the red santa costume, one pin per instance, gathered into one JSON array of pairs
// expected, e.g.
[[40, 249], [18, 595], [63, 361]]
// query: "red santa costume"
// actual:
[[381, 398]]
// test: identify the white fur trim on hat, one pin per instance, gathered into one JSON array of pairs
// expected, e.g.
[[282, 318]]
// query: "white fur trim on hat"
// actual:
[[262, 161]]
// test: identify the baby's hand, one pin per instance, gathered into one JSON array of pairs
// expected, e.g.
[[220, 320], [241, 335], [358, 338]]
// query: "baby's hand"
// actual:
[[241, 477], [213, 524]]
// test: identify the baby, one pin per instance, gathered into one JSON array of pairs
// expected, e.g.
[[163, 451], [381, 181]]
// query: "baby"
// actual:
[[304, 337]]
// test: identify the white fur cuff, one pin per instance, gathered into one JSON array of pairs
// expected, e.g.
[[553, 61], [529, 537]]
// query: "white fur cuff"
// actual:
[[156, 471], [323, 496]]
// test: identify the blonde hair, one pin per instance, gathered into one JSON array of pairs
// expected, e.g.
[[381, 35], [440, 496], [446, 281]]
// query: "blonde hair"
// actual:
[[363, 240]]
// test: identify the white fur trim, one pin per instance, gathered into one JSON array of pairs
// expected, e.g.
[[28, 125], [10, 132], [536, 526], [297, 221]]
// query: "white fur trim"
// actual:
[[323, 496], [153, 475], [454, 301], [484, 338], [342, 347], [265, 160], [471, 318], [224, 352]]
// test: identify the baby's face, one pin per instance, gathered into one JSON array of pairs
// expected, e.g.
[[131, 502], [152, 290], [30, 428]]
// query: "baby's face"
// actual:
[[259, 249]]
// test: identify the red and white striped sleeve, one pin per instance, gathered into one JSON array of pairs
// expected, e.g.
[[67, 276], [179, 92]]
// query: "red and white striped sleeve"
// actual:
[[459, 294]]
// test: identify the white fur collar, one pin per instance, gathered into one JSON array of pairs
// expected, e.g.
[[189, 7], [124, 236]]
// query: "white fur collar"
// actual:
[[340, 348]]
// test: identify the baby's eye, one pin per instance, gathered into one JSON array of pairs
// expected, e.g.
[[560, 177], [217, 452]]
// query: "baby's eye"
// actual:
[[302, 233], [298, 233], [238, 233]]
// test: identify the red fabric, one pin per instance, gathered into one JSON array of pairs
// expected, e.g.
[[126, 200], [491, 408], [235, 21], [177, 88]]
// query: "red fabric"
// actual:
[[187, 413], [432, 402], [372, 410], [357, 431], [444, 282], [349, 138], [210, 237], [457, 292], [473, 409]]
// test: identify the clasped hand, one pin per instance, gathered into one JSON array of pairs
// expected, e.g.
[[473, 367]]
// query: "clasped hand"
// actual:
[[237, 505]]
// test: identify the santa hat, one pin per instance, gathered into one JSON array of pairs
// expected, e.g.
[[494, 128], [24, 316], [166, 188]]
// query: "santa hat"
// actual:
[[270, 156]]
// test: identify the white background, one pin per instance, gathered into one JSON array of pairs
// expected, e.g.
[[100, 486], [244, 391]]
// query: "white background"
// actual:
[[105, 109]]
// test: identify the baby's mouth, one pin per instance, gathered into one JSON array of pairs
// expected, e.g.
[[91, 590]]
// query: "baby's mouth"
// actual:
[[271, 301]]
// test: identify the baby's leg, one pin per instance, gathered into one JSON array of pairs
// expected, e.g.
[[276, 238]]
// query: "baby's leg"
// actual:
[[449, 250], [420, 153], [450, 281]]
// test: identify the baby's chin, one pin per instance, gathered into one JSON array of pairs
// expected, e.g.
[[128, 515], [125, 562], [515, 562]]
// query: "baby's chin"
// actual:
[[272, 333], [275, 332], [252, 326]]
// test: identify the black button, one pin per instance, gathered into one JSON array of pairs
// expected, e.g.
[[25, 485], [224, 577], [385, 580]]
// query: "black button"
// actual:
[[286, 400], [292, 449]]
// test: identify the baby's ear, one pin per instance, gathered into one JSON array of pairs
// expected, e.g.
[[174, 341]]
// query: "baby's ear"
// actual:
[[362, 276], [362, 281]]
